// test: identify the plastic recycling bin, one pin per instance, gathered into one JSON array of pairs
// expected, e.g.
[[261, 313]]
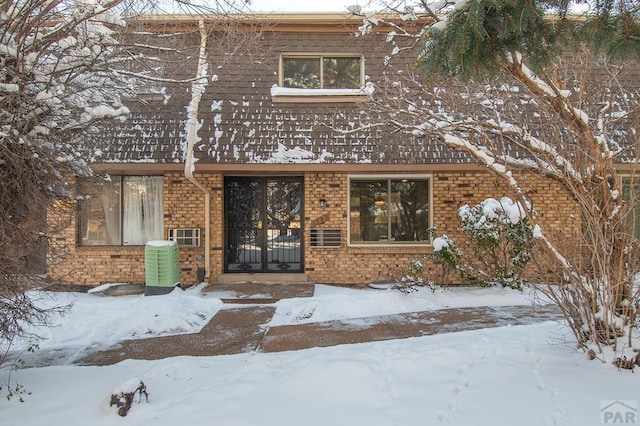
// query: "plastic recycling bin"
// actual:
[[162, 267]]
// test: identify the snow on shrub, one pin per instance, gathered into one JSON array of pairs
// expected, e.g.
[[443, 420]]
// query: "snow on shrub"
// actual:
[[441, 243], [447, 254], [412, 278], [503, 236]]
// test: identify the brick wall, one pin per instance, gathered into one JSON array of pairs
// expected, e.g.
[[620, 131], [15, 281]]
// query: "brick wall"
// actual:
[[451, 190], [90, 265], [184, 208], [556, 210], [93, 265]]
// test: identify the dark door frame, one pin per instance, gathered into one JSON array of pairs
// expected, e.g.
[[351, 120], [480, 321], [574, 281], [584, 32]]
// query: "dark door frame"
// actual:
[[267, 237]]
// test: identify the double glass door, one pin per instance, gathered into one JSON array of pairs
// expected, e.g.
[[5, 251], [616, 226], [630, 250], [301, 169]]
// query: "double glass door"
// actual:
[[263, 223]]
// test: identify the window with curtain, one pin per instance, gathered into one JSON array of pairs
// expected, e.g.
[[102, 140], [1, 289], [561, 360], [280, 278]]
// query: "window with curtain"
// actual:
[[389, 210], [126, 210]]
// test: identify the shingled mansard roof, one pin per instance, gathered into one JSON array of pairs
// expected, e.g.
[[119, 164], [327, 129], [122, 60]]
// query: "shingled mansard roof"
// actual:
[[241, 122]]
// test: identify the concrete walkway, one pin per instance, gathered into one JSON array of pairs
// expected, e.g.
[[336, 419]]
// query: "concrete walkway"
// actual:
[[400, 326], [239, 328]]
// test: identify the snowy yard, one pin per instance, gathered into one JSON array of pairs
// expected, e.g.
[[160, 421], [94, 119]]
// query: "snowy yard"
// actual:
[[525, 375]]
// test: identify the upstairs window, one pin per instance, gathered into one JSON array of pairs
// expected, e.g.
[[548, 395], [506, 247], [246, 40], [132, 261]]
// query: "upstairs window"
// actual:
[[322, 72]]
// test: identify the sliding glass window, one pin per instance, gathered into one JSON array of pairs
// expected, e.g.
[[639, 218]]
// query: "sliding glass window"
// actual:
[[387, 210]]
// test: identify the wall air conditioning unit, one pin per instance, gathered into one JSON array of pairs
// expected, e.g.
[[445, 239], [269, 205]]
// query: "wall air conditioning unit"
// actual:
[[326, 237], [185, 237]]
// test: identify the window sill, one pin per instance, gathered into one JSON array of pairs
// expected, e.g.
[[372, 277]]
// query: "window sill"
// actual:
[[291, 95], [382, 244]]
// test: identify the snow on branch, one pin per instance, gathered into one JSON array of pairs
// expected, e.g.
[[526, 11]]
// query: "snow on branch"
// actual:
[[536, 145], [543, 87], [147, 77], [9, 88], [155, 47], [485, 157], [557, 97]]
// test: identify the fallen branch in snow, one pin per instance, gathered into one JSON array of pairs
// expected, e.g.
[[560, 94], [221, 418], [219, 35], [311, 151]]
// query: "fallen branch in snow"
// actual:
[[627, 364], [123, 396]]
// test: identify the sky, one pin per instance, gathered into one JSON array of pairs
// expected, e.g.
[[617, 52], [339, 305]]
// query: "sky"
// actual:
[[303, 6], [529, 375], [320, 5]]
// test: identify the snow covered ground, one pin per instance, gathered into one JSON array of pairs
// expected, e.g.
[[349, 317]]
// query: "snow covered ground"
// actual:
[[524, 375]]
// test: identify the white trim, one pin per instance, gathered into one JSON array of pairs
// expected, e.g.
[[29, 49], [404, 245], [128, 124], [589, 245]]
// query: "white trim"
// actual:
[[290, 91], [319, 56]]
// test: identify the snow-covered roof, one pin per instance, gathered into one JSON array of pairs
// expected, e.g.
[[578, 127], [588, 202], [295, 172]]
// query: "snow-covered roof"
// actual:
[[260, 135], [240, 121]]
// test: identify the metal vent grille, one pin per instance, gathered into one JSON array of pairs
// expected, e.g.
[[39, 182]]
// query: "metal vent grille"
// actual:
[[326, 237], [189, 237]]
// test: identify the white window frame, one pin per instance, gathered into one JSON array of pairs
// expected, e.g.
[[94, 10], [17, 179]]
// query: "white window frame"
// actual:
[[361, 244], [290, 94], [174, 234], [81, 239]]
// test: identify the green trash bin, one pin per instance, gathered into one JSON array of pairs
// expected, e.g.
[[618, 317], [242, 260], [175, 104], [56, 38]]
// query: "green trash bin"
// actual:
[[162, 267]]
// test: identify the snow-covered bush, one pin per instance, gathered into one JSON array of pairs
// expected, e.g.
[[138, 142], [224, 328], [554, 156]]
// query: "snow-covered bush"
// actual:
[[414, 276], [504, 238], [415, 269], [445, 253], [448, 255]]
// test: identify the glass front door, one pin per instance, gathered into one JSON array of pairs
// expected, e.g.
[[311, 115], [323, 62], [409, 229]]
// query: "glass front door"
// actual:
[[263, 219]]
